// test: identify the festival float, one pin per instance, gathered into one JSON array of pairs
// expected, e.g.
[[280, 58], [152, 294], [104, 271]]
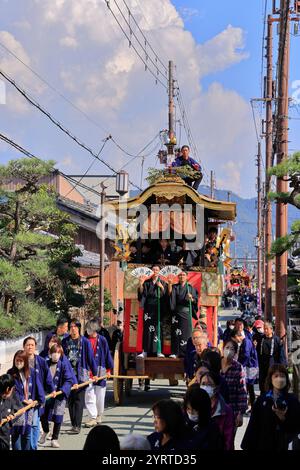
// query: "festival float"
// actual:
[[168, 209]]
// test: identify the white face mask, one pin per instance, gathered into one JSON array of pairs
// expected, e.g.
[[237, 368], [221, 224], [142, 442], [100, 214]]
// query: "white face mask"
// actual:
[[228, 354], [260, 330], [231, 327], [209, 390], [55, 357], [192, 417], [242, 334], [20, 365], [279, 382]]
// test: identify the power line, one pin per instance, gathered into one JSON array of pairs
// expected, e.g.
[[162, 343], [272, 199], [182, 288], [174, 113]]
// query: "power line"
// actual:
[[34, 103], [262, 54], [60, 94], [130, 154], [146, 42], [136, 156], [31, 155], [89, 167], [187, 127], [150, 26], [147, 67], [254, 121]]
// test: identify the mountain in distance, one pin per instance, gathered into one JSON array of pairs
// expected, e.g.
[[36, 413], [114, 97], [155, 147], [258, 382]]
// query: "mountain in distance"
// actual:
[[245, 227]]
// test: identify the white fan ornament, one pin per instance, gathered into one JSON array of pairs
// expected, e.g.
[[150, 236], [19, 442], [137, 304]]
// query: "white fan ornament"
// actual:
[[142, 271], [170, 270]]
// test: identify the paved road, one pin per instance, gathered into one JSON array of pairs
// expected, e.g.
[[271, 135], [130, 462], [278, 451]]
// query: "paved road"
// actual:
[[135, 415]]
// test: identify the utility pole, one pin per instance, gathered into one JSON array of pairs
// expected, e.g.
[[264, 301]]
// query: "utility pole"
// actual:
[[172, 138], [259, 233], [263, 246], [171, 100], [282, 153], [102, 255], [269, 155]]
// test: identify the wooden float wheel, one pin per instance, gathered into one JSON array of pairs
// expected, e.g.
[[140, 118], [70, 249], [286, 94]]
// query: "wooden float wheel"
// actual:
[[118, 384]]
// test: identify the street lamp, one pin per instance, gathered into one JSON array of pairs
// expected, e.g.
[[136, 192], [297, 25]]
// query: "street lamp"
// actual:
[[122, 183]]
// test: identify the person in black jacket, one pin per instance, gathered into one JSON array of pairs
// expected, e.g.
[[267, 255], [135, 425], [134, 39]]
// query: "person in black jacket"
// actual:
[[204, 433], [270, 350], [117, 335], [9, 404], [275, 418], [171, 432]]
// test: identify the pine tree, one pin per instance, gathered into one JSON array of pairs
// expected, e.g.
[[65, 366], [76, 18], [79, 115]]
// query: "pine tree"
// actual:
[[37, 274], [289, 169]]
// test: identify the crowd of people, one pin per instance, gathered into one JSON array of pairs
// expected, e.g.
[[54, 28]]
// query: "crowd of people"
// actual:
[[240, 299], [53, 380], [220, 390]]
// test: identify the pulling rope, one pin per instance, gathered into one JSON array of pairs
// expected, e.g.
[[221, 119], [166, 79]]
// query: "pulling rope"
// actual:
[[23, 410]]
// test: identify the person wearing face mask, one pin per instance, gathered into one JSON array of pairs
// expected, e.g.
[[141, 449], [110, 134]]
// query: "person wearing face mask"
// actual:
[[63, 379], [258, 332], [275, 418], [9, 404], [42, 369], [270, 350], [28, 388], [95, 393], [79, 351], [247, 356], [204, 433], [210, 361], [228, 331], [234, 374], [222, 414]]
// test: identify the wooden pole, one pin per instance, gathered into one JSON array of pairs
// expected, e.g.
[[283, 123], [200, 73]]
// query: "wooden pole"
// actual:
[[84, 384], [282, 154], [269, 156]]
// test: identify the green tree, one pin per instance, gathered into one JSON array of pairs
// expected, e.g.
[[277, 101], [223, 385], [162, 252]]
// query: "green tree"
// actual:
[[92, 304], [289, 169], [37, 273], [186, 171]]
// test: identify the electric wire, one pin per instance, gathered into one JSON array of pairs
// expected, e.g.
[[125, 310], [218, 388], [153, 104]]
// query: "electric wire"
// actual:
[[147, 67], [141, 31], [34, 103], [145, 39], [28, 154]]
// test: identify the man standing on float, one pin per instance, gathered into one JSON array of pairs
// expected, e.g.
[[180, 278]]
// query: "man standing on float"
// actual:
[[152, 294], [184, 306]]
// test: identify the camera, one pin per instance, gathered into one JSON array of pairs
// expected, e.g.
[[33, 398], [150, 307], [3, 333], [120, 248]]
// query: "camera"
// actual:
[[280, 404]]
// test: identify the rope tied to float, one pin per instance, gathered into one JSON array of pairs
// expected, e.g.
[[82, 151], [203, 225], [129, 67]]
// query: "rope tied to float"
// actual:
[[34, 404]]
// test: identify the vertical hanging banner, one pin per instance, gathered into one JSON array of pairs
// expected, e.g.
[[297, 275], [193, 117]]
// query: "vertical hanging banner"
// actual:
[[133, 315]]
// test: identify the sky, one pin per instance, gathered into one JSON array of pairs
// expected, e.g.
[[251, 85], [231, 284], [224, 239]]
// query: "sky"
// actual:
[[78, 48]]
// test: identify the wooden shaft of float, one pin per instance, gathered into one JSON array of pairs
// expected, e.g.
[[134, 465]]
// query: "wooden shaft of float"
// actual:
[[84, 384], [193, 381], [34, 403], [129, 377]]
